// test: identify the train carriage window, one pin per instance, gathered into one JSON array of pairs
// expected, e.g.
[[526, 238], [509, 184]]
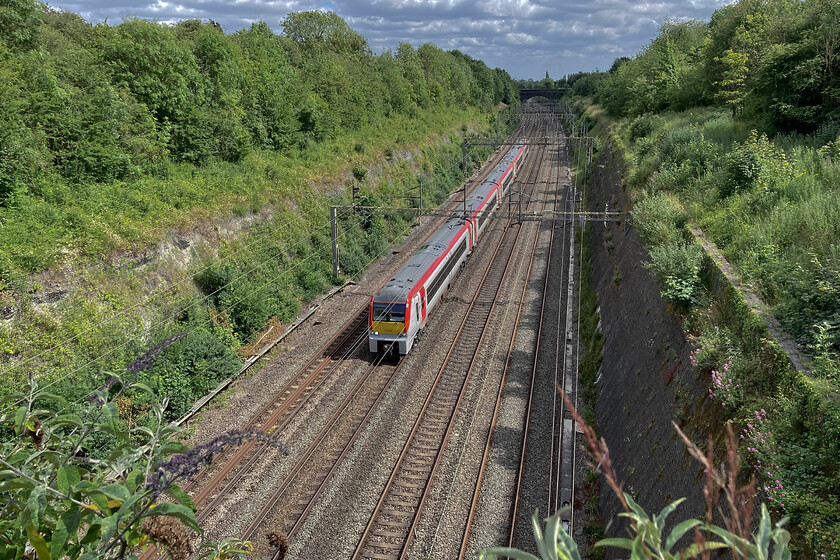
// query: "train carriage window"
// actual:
[[437, 283], [397, 314]]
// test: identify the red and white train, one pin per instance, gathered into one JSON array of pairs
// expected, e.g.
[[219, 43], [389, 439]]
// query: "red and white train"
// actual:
[[399, 310]]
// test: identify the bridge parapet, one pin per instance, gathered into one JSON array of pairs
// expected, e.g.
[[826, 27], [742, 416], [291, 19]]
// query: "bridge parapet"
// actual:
[[551, 94]]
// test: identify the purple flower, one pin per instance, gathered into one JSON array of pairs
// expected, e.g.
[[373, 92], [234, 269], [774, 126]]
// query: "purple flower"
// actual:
[[185, 465], [147, 359]]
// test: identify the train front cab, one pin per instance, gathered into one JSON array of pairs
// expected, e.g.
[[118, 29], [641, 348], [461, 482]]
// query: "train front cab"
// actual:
[[393, 327]]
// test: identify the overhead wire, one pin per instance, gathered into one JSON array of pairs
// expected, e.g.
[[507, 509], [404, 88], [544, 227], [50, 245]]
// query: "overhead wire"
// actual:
[[166, 319], [171, 287]]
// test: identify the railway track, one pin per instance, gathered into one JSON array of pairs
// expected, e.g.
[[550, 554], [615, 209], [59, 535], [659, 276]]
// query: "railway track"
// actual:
[[546, 480], [210, 487], [398, 513], [295, 496], [463, 550], [390, 530], [392, 525]]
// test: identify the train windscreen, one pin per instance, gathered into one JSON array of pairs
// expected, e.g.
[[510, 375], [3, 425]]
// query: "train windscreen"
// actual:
[[390, 312]]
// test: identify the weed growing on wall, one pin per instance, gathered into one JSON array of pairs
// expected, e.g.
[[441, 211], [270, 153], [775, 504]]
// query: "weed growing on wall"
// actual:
[[770, 204]]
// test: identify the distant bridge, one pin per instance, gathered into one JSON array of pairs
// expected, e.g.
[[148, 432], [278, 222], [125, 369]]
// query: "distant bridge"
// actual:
[[550, 94]]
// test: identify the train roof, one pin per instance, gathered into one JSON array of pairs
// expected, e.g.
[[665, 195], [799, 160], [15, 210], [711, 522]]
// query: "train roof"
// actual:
[[398, 287]]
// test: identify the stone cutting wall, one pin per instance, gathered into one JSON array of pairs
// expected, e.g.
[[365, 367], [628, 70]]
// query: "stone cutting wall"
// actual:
[[646, 380]]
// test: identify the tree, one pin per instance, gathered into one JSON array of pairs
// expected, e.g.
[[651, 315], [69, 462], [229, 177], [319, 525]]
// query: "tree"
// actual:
[[271, 88], [326, 30], [146, 59], [732, 86], [20, 23], [413, 72]]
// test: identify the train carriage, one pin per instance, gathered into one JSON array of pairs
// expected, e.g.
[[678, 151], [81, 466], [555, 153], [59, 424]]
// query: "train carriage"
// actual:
[[401, 307]]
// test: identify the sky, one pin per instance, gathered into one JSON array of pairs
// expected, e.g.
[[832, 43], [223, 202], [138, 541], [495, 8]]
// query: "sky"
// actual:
[[525, 37]]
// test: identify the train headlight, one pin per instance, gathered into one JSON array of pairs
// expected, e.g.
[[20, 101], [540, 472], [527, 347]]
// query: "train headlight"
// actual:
[[375, 333]]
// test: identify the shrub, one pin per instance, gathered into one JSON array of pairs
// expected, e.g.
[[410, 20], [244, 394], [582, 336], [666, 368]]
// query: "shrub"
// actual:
[[677, 266], [215, 278], [742, 169], [658, 219], [813, 297], [644, 125], [61, 504], [714, 347], [359, 173], [189, 368], [250, 303]]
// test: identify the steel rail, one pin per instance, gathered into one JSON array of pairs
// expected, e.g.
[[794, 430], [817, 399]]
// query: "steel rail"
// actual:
[[294, 394], [422, 473], [417, 510], [556, 435], [529, 405], [564, 486], [488, 446], [306, 458], [320, 377]]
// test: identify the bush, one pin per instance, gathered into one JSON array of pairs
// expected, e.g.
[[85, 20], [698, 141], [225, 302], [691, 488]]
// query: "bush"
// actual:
[[250, 303], [658, 219], [677, 266], [212, 280], [813, 297], [189, 368], [742, 169], [686, 146], [644, 125]]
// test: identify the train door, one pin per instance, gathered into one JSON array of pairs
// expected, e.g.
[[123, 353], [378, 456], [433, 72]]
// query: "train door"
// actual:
[[423, 302], [415, 309]]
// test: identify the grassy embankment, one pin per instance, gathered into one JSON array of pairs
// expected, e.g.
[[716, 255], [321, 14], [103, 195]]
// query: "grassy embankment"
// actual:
[[211, 299], [772, 207]]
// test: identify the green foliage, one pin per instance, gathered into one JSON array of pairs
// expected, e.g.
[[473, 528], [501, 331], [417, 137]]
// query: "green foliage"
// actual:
[[20, 22], [773, 63], [649, 541], [660, 222], [66, 507], [644, 125], [812, 311], [555, 544], [771, 207], [323, 30], [231, 548], [102, 118], [189, 369], [677, 265], [659, 219]]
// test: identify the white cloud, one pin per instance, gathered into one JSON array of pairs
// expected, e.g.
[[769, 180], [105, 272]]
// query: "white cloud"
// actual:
[[520, 39], [524, 36]]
